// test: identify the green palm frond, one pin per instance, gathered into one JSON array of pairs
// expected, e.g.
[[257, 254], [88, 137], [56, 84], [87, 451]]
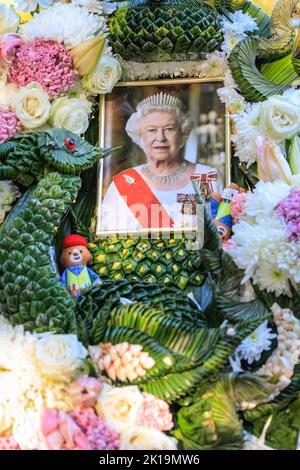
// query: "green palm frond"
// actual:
[[252, 84], [282, 32], [261, 18], [211, 422]]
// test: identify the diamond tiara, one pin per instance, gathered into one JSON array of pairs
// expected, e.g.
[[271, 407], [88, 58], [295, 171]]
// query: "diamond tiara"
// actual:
[[161, 100]]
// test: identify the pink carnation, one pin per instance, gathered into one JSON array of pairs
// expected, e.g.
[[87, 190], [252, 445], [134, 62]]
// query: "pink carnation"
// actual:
[[8, 46], [155, 413], [238, 206], [46, 62], [8, 443], [289, 212], [99, 434], [9, 124], [85, 391]]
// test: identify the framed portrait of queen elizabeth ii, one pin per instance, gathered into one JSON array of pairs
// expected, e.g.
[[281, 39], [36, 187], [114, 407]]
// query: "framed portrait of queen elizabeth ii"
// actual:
[[172, 134]]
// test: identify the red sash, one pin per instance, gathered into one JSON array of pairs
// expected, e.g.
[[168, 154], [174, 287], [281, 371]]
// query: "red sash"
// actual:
[[139, 198]]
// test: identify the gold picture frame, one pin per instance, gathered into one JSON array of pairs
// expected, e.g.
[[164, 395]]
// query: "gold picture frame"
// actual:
[[106, 125]]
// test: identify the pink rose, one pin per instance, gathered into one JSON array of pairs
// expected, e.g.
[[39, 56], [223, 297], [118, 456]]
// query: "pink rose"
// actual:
[[62, 433], [85, 391], [8, 44]]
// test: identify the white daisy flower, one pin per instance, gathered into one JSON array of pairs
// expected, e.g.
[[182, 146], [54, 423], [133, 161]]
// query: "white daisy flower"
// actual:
[[254, 345]]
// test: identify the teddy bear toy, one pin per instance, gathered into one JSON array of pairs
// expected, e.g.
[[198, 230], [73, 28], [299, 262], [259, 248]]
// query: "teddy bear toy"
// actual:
[[74, 258]]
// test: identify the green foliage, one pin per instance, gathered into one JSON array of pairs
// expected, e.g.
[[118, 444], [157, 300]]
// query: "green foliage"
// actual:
[[211, 422], [156, 31], [284, 429], [29, 290], [252, 84]]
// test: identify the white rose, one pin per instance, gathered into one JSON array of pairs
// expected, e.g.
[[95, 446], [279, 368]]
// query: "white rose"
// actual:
[[59, 356], [32, 106], [119, 406], [280, 119], [9, 19], [71, 114], [104, 77], [140, 438]]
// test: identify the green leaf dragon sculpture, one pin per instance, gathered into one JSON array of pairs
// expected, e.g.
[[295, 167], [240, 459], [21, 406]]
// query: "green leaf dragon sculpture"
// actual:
[[30, 292]]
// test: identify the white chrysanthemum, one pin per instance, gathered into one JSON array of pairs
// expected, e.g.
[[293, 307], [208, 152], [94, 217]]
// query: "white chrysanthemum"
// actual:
[[247, 133], [216, 64], [65, 23], [255, 243], [254, 345], [265, 197], [288, 260], [28, 6], [271, 277], [240, 23], [230, 41], [230, 96]]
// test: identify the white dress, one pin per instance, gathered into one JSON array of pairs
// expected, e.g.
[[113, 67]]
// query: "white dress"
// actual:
[[115, 214]]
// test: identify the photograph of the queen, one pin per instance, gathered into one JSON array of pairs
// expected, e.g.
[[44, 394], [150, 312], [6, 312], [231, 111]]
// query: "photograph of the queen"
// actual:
[[158, 193]]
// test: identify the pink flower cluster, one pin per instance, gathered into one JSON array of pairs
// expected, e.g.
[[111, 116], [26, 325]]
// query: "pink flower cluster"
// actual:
[[155, 413], [82, 429], [9, 124], [85, 391], [46, 62], [238, 206], [99, 435], [8, 443], [289, 211]]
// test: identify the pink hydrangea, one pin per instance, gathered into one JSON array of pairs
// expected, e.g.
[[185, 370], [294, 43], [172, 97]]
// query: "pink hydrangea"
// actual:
[[155, 413], [85, 391], [9, 124], [46, 62], [99, 434], [289, 211], [238, 206], [8, 443]]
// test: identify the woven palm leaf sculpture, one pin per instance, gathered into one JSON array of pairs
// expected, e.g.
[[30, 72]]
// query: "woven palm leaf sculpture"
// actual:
[[165, 30]]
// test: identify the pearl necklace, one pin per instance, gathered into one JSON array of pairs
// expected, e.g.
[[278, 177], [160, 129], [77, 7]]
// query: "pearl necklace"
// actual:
[[165, 179]]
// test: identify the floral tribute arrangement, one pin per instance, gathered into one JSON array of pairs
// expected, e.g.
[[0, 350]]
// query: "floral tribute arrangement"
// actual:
[[52, 65], [135, 364], [48, 402]]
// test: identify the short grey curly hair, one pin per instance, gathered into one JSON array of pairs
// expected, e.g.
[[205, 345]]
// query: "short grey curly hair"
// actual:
[[159, 102]]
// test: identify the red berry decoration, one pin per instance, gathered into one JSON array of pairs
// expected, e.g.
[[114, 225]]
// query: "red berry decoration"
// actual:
[[70, 143]]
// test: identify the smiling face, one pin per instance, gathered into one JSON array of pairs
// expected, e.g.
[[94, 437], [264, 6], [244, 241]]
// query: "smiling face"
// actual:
[[75, 255], [161, 136]]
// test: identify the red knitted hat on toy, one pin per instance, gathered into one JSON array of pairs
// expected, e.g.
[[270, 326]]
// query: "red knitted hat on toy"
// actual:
[[73, 240]]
